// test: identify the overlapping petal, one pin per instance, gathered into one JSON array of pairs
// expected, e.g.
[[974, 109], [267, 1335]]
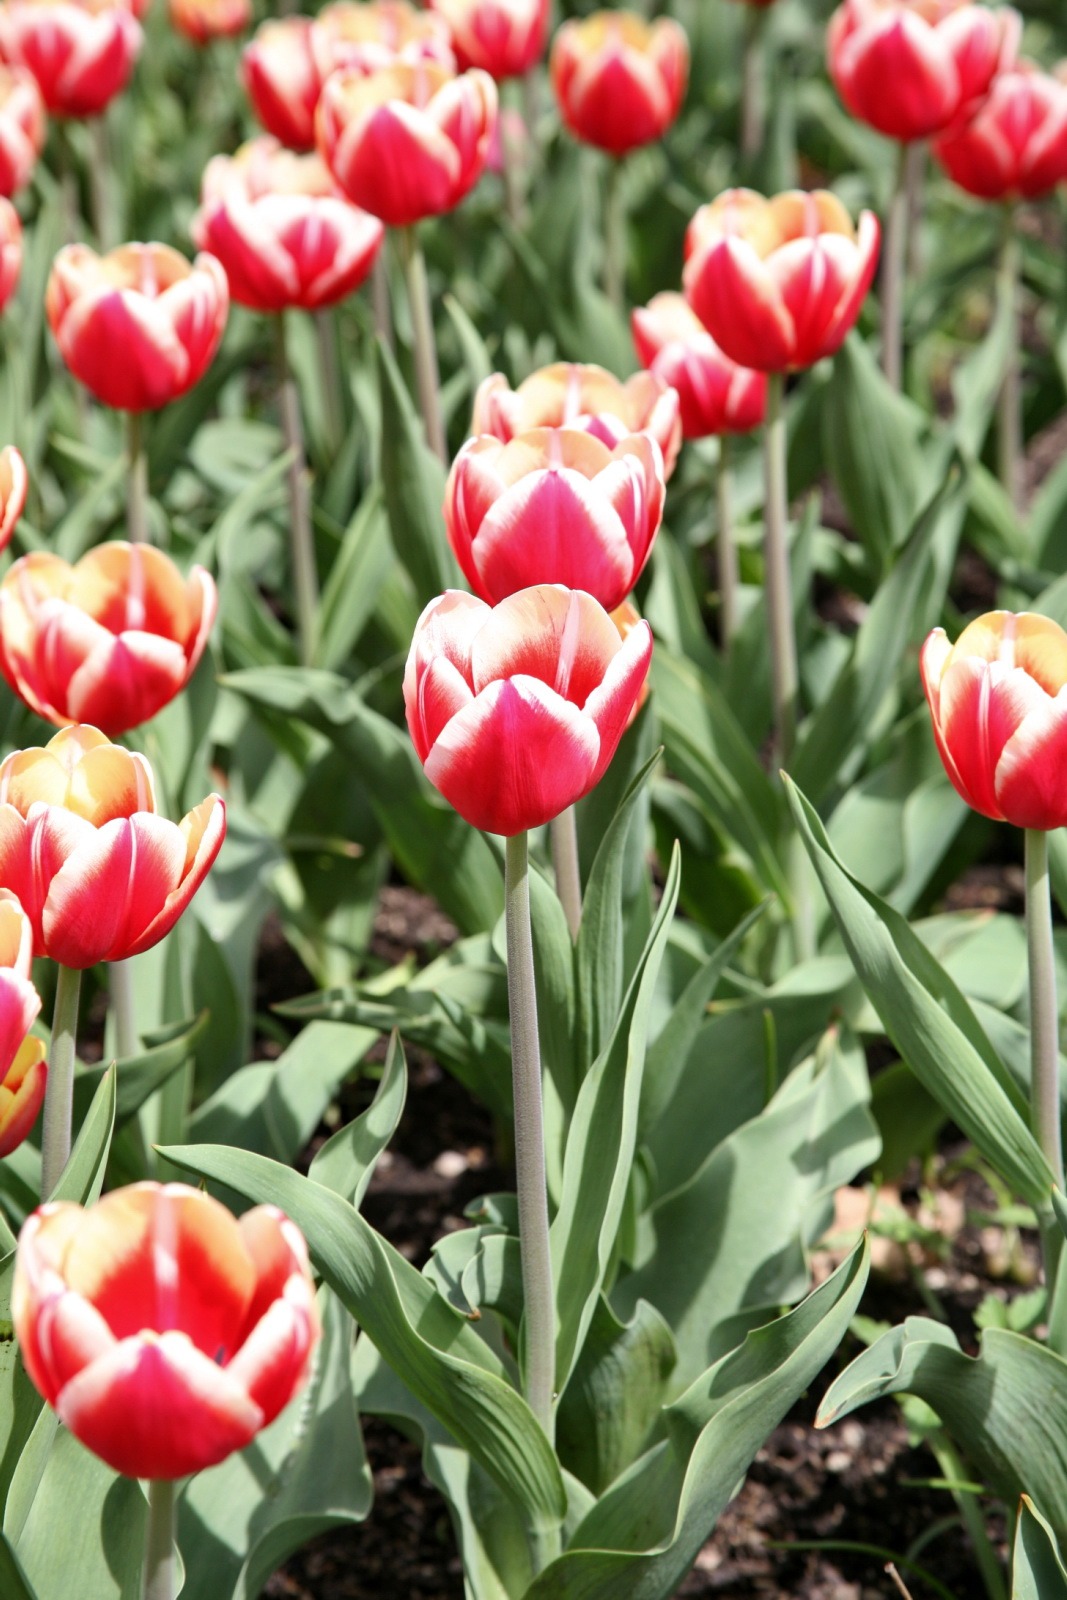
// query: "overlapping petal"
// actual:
[[715, 395]]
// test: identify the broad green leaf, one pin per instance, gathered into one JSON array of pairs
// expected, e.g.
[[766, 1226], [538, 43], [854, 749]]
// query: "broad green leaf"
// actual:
[[557, 996], [908, 1117], [413, 481], [14, 1584], [84, 1534], [442, 1360], [1038, 1572], [83, 1176], [346, 1162], [351, 591], [138, 1077]]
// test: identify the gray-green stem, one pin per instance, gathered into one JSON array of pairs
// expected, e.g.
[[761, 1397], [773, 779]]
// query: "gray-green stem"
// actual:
[[425, 349], [326, 333], [379, 294], [615, 234], [894, 255], [539, 1319], [777, 581], [302, 549], [752, 97], [160, 1570], [566, 867], [1044, 1021], [59, 1090], [137, 484], [725, 550], [100, 183], [1009, 405], [120, 984]]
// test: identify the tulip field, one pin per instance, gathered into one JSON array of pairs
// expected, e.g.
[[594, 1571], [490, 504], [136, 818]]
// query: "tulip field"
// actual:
[[533, 789]]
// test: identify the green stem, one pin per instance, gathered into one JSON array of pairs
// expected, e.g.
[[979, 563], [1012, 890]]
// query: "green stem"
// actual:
[[137, 483], [59, 1091], [893, 257], [615, 235], [159, 1565], [379, 294], [326, 332], [565, 865], [1044, 1022], [120, 983], [752, 76], [777, 581], [302, 549], [425, 348], [725, 551], [953, 1470], [1009, 404], [100, 183]]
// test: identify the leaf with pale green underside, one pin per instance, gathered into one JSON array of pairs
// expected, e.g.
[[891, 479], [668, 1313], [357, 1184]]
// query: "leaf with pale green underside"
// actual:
[[1038, 1572], [346, 1162]]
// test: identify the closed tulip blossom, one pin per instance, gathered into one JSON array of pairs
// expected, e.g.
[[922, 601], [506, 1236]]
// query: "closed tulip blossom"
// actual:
[[406, 142], [911, 67], [81, 52], [99, 873], [370, 34], [164, 1332], [282, 232], [22, 127], [554, 506], [282, 79], [138, 326], [203, 20], [715, 395], [10, 251], [23, 1071], [503, 37], [1015, 146], [516, 710], [14, 483], [570, 394], [108, 641], [619, 80], [778, 283]]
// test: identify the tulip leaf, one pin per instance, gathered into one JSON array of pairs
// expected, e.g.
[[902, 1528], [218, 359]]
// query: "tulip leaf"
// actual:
[[138, 1077], [22, 1411], [1038, 1572], [346, 1162], [442, 1360], [413, 481], [351, 591], [928, 1019], [84, 1534], [83, 1176], [14, 1584]]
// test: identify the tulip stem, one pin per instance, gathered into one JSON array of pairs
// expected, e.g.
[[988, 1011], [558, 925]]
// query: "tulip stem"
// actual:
[[159, 1564], [538, 1298], [1009, 405], [752, 98], [120, 983], [567, 869], [302, 550], [425, 348], [893, 259], [777, 580], [326, 332], [379, 293], [100, 188], [725, 551], [59, 1089], [615, 234], [1044, 1021], [137, 485]]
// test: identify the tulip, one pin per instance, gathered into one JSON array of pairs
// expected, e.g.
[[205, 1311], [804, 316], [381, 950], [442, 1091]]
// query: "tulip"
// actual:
[[10, 253], [138, 326], [406, 142], [281, 78], [506, 38], [370, 34], [204, 20], [22, 127], [283, 235], [23, 1072], [164, 1333], [81, 52], [573, 395], [1015, 146], [554, 506], [108, 641], [14, 483], [715, 395], [516, 710], [100, 874], [619, 80]]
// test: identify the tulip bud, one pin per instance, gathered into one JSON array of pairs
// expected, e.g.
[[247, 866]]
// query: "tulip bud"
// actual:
[[1015, 146], [139, 326], [367, 35], [282, 80], [998, 709], [517, 710], [554, 506], [409, 141], [715, 395], [204, 20], [503, 37], [910, 69], [164, 1333], [778, 283], [81, 52], [282, 232], [22, 127], [109, 641], [619, 80], [569, 394], [99, 874], [23, 1071], [10, 252]]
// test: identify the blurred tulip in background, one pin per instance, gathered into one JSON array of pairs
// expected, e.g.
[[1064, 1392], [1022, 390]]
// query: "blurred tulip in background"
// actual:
[[22, 127], [619, 80], [503, 37], [282, 80], [23, 1072], [204, 20], [715, 395], [1015, 146], [81, 52]]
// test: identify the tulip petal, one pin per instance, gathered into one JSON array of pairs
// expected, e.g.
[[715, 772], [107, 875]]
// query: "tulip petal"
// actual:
[[611, 704], [563, 637], [271, 1364], [203, 829], [20, 1006], [22, 1094], [981, 706], [443, 691], [1029, 782], [739, 303]]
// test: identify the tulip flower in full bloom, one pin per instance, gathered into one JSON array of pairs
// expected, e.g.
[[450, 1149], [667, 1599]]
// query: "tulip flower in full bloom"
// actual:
[[23, 1072], [100, 874], [778, 283], [204, 20], [138, 326], [110, 640], [282, 80], [570, 394], [164, 1332], [555, 505], [22, 127], [715, 394], [503, 37], [516, 710], [1015, 146], [10, 251], [81, 52], [619, 80]]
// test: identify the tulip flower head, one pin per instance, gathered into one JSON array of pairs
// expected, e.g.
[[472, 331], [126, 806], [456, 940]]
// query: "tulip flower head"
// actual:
[[138, 326], [282, 79], [14, 483], [998, 699], [1015, 146], [100, 875], [203, 20], [555, 506], [10, 251], [778, 283], [110, 640], [23, 1071], [910, 68], [715, 395], [22, 127], [619, 80], [81, 52], [367, 35], [569, 394], [516, 710], [164, 1332], [406, 142], [503, 37]]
